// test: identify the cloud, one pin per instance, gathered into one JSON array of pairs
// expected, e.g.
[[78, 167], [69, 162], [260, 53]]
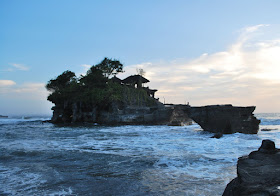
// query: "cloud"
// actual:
[[20, 66], [26, 90], [14, 67], [252, 29], [247, 73], [27, 98], [5, 83], [31, 88]]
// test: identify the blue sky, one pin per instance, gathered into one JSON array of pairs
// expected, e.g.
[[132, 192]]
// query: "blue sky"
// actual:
[[204, 52]]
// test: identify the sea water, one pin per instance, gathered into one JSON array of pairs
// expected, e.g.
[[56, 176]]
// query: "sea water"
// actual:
[[39, 158]]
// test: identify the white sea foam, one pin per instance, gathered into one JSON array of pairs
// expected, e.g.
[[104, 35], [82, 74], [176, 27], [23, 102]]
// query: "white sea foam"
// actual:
[[63, 192], [16, 120]]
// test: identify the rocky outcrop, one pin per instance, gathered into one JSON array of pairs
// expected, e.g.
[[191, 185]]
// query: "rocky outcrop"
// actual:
[[257, 173], [115, 113], [178, 117], [136, 115], [225, 118]]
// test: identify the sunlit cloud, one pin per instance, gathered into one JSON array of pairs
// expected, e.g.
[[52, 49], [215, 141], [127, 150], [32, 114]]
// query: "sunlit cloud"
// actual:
[[14, 67], [31, 90], [27, 98], [247, 73], [252, 29], [19, 67], [6, 83]]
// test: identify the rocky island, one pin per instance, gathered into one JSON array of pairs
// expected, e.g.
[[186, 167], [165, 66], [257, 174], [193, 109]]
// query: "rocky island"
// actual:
[[101, 97]]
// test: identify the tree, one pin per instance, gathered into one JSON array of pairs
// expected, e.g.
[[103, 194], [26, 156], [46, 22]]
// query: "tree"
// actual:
[[93, 78], [63, 80], [63, 87], [110, 67], [92, 89]]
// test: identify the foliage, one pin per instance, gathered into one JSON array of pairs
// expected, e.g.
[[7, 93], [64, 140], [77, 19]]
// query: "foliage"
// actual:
[[62, 81], [93, 78], [110, 67], [95, 88], [62, 87]]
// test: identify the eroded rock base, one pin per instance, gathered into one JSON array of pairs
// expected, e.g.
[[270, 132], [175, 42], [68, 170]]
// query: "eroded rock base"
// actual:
[[257, 173]]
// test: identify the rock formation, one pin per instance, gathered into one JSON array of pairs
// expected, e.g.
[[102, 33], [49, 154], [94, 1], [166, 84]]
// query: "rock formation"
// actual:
[[257, 173], [225, 118], [97, 97], [116, 113], [178, 116]]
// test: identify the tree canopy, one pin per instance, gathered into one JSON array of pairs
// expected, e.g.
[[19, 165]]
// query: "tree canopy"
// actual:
[[62, 81], [110, 67], [93, 88]]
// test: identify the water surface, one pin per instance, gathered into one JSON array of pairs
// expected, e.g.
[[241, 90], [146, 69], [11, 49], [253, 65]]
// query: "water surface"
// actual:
[[43, 159]]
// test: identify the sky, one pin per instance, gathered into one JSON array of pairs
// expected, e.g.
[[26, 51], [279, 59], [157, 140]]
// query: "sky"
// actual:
[[197, 51]]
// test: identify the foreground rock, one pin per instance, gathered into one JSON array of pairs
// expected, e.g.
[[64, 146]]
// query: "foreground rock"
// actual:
[[257, 173], [225, 118]]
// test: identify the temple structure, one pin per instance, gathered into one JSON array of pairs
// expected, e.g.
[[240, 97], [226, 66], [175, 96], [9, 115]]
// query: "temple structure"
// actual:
[[135, 81]]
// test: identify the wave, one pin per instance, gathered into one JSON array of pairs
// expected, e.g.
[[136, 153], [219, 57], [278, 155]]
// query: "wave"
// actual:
[[265, 121], [17, 120]]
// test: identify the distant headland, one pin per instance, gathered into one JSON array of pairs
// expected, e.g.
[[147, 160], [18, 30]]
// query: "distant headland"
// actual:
[[101, 97]]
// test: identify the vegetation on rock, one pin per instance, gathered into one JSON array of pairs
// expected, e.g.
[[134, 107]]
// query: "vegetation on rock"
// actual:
[[94, 91]]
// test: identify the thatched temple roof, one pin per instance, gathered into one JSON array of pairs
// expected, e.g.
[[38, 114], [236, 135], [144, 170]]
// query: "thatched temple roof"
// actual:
[[135, 79], [116, 80]]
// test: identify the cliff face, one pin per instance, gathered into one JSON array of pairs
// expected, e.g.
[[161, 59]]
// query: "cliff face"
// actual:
[[135, 107], [225, 118], [136, 115], [257, 173], [179, 117], [138, 108]]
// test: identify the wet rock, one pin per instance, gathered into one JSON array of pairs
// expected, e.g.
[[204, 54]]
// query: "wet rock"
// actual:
[[163, 165], [217, 135], [267, 146], [179, 117], [176, 123], [268, 129], [225, 118], [257, 173]]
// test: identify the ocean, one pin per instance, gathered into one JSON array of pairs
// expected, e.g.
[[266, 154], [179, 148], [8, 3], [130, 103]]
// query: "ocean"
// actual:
[[39, 158]]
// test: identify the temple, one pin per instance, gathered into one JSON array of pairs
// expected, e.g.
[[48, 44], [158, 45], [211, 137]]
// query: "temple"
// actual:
[[135, 81]]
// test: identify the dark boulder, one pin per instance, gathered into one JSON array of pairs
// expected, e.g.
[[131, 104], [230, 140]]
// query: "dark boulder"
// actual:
[[217, 135], [268, 129], [225, 118], [257, 173]]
